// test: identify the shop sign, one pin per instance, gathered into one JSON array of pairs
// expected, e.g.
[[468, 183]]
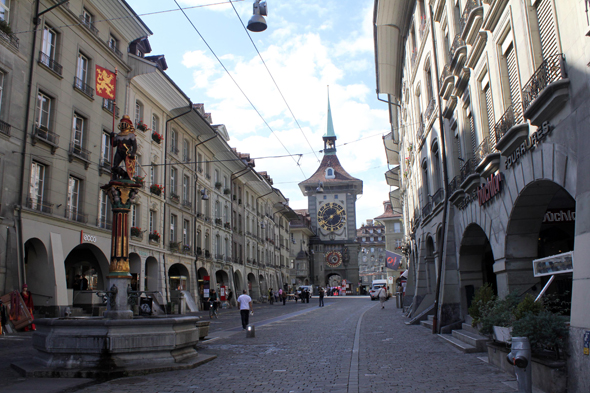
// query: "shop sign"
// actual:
[[560, 216], [529, 144], [490, 189], [84, 237], [555, 264]]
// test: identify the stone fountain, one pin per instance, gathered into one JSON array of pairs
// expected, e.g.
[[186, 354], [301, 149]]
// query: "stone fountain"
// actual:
[[117, 344]]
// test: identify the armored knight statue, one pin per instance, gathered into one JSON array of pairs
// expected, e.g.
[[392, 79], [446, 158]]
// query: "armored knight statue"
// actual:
[[125, 147]]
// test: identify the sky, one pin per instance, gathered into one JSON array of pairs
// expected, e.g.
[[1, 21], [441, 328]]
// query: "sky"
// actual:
[[307, 47]]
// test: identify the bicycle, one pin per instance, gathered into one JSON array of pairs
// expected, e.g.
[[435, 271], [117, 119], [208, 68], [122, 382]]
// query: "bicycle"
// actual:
[[213, 310]]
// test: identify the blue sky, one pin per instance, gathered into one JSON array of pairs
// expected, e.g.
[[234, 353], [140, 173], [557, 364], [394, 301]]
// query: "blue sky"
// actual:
[[307, 46]]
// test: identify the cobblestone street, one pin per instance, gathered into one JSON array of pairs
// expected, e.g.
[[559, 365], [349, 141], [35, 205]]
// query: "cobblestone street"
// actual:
[[303, 348]]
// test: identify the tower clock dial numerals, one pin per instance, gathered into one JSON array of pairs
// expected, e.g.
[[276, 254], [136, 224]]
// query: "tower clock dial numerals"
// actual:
[[331, 216]]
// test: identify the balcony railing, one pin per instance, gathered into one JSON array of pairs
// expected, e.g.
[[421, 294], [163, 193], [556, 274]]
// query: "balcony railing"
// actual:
[[551, 70], [174, 149], [9, 38], [108, 105], [219, 257], [430, 109], [437, 197], [104, 164], [457, 43], [115, 50], [454, 184], [76, 215], [45, 135], [37, 203], [103, 223], [88, 24], [4, 128], [187, 204], [420, 133], [50, 63], [423, 28], [487, 146], [446, 72], [427, 209], [78, 151], [83, 87], [467, 169], [469, 6], [507, 121]]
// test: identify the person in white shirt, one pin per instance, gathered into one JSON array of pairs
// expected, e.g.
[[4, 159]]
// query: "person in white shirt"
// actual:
[[245, 304], [382, 294]]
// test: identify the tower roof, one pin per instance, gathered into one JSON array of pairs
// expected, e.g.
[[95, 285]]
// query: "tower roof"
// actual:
[[330, 129]]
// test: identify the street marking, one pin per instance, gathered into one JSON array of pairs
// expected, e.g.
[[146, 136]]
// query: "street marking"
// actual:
[[353, 372], [279, 371]]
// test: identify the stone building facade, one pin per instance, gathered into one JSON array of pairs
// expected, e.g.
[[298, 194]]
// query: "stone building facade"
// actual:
[[204, 218], [488, 106]]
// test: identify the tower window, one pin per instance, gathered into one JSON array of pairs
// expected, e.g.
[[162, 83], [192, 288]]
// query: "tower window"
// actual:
[[330, 173]]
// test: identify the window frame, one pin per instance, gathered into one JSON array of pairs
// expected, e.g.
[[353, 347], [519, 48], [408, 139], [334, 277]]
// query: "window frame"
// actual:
[[38, 180], [73, 204], [78, 134], [5, 10], [39, 109]]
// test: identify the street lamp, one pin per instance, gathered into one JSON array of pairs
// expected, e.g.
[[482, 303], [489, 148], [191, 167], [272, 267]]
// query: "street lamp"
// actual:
[[257, 23]]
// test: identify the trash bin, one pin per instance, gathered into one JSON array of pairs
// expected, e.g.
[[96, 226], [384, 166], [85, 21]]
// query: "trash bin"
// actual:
[[398, 300]]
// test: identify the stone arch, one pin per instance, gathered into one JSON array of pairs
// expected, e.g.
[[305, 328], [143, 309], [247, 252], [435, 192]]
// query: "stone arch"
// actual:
[[430, 265], [90, 262], [40, 275], [135, 270], [239, 285], [152, 274], [253, 289], [179, 277], [476, 261], [534, 232], [262, 283], [221, 278]]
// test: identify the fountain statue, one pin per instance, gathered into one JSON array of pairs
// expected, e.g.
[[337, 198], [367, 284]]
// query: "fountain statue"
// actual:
[[117, 343]]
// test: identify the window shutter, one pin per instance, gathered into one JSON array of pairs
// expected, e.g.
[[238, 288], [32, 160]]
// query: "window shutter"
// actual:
[[514, 84], [490, 113], [472, 132], [546, 28]]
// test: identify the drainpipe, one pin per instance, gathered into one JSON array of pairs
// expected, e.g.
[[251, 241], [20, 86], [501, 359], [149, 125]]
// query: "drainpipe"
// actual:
[[445, 224], [190, 106]]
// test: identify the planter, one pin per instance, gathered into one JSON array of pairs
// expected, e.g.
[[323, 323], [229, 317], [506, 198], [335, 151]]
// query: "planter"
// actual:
[[548, 375], [503, 334]]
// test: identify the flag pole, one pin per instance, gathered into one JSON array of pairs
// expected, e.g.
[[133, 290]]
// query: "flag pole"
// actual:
[[114, 109]]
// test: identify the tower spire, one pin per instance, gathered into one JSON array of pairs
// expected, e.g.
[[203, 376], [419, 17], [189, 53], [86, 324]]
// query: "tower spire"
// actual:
[[330, 137]]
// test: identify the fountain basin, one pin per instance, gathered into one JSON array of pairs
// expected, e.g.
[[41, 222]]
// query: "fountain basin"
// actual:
[[109, 345]]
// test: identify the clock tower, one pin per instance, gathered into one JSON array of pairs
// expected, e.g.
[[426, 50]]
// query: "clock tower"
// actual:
[[331, 199]]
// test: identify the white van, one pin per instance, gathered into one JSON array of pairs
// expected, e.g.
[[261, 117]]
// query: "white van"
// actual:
[[375, 287]]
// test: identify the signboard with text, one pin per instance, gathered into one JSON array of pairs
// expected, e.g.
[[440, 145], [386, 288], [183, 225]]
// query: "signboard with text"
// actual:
[[555, 264]]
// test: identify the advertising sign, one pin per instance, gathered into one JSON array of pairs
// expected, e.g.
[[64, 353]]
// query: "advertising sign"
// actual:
[[555, 264], [392, 260]]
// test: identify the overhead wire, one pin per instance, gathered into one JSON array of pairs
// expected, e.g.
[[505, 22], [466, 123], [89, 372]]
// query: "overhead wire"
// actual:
[[239, 87], [273, 79]]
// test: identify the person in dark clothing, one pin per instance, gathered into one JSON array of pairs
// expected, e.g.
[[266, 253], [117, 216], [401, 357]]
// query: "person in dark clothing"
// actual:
[[307, 295], [284, 297], [321, 297]]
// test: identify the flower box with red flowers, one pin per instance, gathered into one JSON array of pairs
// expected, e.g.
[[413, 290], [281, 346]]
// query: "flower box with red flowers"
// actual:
[[141, 126], [136, 232], [157, 137], [156, 189], [154, 236]]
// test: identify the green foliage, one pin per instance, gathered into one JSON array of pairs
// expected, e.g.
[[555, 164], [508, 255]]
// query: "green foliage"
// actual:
[[5, 27], [482, 297], [499, 312], [528, 306], [545, 330]]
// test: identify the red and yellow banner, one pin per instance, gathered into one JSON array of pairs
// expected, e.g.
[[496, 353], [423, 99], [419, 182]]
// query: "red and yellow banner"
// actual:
[[106, 82]]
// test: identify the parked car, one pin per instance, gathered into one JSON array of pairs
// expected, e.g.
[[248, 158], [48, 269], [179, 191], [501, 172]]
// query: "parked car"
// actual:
[[375, 288], [304, 287]]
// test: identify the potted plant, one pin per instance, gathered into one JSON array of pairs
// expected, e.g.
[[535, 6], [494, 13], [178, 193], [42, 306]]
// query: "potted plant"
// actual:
[[135, 232], [218, 185], [154, 236], [156, 189], [199, 251], [157, 137], [175, 197], [207, 254], [186, 248], [218, 221], [174, 246], [482, 297], [141, 126], [139, 180], [226, 191], [5, 27], [497, 317]]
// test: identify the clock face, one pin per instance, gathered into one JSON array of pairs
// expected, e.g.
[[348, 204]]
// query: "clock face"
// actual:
[[331, 216], [334, 259]]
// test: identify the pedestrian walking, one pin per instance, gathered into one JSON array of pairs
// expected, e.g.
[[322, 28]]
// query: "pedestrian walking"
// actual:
[[382, 295], [271, 296], [307, 295], [321, 297], [245, 304], [213, 303], [28, 299], [284, 296], [230, 296]]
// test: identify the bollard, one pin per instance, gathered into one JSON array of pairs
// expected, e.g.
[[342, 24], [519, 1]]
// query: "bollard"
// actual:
[[250, 331], [520, 358]]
